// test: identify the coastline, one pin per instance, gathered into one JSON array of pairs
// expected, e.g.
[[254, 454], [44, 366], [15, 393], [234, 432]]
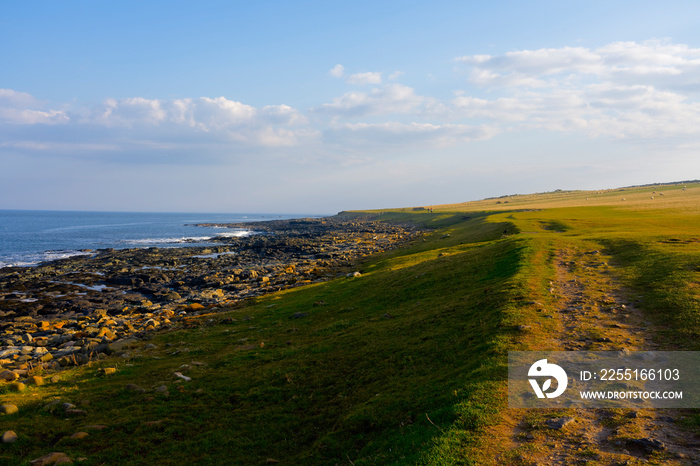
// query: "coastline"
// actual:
[[70, 311], [28, 238]]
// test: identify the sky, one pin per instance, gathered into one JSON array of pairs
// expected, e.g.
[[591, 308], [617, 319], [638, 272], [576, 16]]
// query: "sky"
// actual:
[[317, 107]]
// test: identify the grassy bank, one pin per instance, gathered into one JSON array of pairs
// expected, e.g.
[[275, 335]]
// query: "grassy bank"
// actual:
[[405, 364], [371, 370]]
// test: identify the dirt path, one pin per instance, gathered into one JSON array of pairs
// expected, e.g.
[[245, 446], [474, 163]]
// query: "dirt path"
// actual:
[[596, 315]]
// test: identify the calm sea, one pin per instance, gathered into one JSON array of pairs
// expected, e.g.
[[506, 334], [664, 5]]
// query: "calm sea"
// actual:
[[30, 237]]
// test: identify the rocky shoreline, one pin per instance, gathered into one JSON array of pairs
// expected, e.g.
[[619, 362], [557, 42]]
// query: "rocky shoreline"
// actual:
[[71, 311]]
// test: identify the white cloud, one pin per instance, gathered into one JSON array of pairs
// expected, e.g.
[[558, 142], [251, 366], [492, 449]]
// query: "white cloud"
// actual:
[[621, 90], [12, 98], [624, 90], [389, 99], [21, 108], [366, 78], [395, 135], [218, 118], [149, 126], [337, 71], [650, 61]]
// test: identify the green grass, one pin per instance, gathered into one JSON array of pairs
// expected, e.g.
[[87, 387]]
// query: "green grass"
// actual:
[[394, 367], [403, 365]]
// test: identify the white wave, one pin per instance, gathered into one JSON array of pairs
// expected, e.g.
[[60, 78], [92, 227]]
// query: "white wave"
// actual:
[[153, 241], [236, 234], [30, 260]]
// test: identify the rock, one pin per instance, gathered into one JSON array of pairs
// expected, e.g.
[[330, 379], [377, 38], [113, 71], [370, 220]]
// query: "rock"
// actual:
[[79, 435], [120, 345], [35, 380], [163, 390], [8, 409], [354, 275], [108, 370], [9, 376], [51, 459], [560, 423], [9, 437], [183, 377], [298, 315], [17, 386], [106, 333], [647, 445], [96, 427], [134, 388]]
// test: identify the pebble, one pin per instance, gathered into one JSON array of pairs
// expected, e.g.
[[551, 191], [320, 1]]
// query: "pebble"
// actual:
[[183, 377], [560, 423], [51, 459], [164, 390], [134, 388]]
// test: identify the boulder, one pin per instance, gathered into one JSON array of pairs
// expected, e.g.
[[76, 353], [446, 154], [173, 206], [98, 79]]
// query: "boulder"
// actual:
[[9, 437], [121, 345], [8, 409], [9, 376], [17, 386], [35, 380]]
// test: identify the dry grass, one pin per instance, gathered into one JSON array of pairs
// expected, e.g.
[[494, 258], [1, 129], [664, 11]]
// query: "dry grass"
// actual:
[[676, 195]]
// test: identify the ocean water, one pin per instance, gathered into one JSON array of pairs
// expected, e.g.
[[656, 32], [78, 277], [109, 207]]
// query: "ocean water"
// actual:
[[30, 237]]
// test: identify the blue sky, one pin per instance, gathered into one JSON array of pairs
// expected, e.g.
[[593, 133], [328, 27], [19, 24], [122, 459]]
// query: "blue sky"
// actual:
[[317, 107]]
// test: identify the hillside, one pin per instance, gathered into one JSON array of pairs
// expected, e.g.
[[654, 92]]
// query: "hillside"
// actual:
[[405, 363]]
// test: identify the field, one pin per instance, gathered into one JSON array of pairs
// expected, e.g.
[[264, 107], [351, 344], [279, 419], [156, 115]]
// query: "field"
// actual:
[[405, 364]]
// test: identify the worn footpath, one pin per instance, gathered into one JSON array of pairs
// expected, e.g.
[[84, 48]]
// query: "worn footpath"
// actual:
[[595, 314]]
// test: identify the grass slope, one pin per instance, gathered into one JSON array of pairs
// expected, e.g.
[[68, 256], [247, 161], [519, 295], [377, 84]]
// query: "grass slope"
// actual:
[[367, 370], [403, 365]]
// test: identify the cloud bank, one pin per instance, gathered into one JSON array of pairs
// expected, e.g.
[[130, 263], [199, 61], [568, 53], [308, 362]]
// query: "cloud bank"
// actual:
[[621, 91]]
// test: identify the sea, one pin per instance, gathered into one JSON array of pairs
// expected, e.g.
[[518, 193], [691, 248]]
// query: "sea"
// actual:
[[29, 237]]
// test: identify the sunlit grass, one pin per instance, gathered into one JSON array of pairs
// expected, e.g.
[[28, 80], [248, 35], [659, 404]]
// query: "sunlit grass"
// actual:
[[403, 365]]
